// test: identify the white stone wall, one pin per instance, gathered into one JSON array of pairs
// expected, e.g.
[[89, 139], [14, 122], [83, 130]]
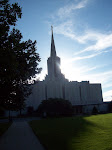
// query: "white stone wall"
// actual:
[[72, 93], [95, 94], [85, 92], [54, 89], [38, 94], [78, 93]]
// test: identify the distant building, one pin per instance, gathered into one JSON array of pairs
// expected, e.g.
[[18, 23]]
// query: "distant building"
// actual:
[[83, 95]]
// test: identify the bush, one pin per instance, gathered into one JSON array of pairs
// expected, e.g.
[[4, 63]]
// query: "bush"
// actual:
[[30, 110], [55, 107], [2, 112], [110, 107], [94, 111]]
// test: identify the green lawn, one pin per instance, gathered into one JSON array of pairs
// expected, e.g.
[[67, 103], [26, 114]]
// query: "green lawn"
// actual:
[[4, 127], [75, 133]]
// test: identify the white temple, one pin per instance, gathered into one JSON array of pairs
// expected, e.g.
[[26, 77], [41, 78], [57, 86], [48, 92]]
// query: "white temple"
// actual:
[[55, 85]]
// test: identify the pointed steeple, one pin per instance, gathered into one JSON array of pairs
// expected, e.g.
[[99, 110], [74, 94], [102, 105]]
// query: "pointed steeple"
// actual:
[[53, 50]]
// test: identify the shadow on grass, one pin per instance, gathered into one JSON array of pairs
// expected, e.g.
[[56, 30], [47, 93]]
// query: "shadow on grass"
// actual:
[[75, 133], [4, 127], [61, 133]]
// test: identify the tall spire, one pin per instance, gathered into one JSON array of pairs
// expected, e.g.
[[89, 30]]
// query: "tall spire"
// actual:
[[53, 50]]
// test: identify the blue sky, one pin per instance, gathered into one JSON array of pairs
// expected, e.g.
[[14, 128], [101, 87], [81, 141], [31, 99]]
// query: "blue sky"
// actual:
[[82, 34]]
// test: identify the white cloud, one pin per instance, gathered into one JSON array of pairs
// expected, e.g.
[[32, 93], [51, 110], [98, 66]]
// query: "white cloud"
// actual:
[[103, 41], [68, 9], [66, 26], [108, 84], [107, 95], [86, 57], [65, 29], [90, 35], [86, 69], [102, 77]]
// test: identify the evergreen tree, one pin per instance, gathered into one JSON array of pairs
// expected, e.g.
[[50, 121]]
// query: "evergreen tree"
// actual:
[[18, 59]]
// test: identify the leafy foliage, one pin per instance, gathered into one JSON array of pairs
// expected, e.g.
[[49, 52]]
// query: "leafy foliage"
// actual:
[[30, 110], [18, 59], [2, 111], [55, 107], [94, 111], [110, 106]]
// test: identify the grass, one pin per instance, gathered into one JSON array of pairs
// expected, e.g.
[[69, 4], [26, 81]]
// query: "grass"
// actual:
[[4, 127], [75, 133], [4, 117]]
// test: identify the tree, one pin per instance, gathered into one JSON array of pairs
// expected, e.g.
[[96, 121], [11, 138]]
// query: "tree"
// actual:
[[30, 110], [94, 111], [55, 107], [110, 106], [18, 59]]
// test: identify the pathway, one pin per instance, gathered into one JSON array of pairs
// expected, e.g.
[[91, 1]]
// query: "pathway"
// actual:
[[19, 136]]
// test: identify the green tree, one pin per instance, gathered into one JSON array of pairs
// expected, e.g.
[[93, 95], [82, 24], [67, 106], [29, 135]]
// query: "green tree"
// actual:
[[94, 111], [55, 107], [110, 106], [18, 59]]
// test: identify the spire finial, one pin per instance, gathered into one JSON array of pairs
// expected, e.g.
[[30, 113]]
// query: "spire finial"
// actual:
[[53, 51], [51, 29]]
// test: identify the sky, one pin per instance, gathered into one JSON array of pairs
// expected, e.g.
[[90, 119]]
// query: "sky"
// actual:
[[82, 34]]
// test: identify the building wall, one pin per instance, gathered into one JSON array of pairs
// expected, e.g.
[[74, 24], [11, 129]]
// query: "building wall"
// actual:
[[54, 89], [78, 93], [72, 93], [38, 94], [85, 92], [96, 94], [102, 108]]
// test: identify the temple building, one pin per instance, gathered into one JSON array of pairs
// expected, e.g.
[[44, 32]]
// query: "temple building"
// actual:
[[83, 95]]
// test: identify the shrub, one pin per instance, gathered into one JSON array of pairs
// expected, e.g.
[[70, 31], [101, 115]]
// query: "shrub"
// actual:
[[2, 111], [55, 107], [94, 111], [30, 110]]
